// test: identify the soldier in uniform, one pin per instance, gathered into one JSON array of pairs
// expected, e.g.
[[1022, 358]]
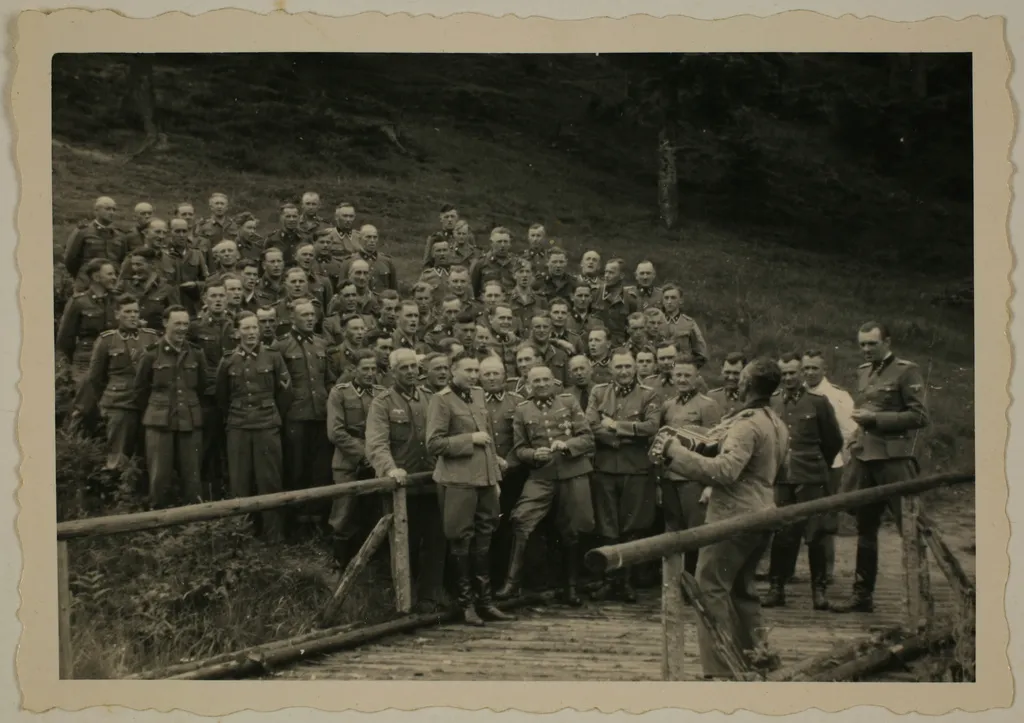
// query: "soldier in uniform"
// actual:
[[224, 258], [681, 495], [464, 249], [581, 319], [623, 416], [249, 273], [307, 451], [266, 316], [250, 243], [383, 274], [555, 442], [296, 287], [580, 370], [382, 345], [814, 441], [728, 395], [111, 379], [270, 290], [320, 287], [662, 382], [149, 287], [289, 236], [396, 447], [350, 338], [324, 263], [252, 390], [636, 335], [506, 342], [501, 405], [405, 336], [460, 288], [645, 363], [192, 264], [497, 264], [367, 301], [135, 238], [524, 302], [561, 334], [444, 327], [218, 226], [212, 332], [467, 473], [600, 348], [813, 366], [549, 354], [345, 240], [536, 252], [347, 408], [87, 314], [890, 404], [554, 282], [646, 294], [171, 377], [612, 306], [751, 457], [310, 222], [95, 239], [683, 328], [590, 270], [437, 371]]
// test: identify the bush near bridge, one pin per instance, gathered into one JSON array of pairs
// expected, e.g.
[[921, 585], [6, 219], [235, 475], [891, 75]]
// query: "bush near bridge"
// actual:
[[790, 238]]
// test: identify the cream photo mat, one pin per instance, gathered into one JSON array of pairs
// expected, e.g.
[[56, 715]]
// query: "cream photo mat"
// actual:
[[39, 36]]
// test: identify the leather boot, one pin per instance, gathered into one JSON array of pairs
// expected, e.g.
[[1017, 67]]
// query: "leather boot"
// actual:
[[817, 561], [511, 588], [605, 587], [342, 550], [464, 589], [572, 573], [776, 597], [864, 582], [860, 602], [482, 572]]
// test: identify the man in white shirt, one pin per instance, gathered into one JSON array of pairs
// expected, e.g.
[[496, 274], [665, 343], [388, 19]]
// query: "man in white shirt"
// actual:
[[814, 368]]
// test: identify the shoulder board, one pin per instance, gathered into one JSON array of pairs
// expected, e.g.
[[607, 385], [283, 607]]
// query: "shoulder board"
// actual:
[[778, 393], [716, 389], [865, 365], [108, 332], [512, 379], [558, 383], [343, 385], [704, 397], [384, 392], [904, 362], [814, 393], [446, 390], [599, 386], [149, 331], [154, 345], [515, 394], [377, 388], [523, 403], [644, 386], [77, 294], [425, 388], [745, 413], [439, 327], [629, 288], [839, 388]]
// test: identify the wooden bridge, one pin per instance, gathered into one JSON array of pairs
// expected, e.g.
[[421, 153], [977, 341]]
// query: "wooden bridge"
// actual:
[[653, 639]]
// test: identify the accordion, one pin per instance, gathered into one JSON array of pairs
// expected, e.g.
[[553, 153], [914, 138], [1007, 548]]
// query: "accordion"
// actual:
[[694, 438]]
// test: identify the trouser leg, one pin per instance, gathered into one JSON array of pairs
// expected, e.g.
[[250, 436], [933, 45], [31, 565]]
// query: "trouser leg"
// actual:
[[268, 471], [428, 552], [190, 454], [160, 465]]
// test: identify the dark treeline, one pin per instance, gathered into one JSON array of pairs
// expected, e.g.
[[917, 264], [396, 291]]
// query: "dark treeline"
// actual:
[[864, 153]]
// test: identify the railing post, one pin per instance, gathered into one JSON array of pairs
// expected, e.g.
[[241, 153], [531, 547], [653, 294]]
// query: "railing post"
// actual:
[[401, 572], [65, 652], [673, 616], [915, 565]]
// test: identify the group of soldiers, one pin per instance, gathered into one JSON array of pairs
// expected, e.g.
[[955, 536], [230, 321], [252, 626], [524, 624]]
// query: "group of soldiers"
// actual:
[[528, 390]]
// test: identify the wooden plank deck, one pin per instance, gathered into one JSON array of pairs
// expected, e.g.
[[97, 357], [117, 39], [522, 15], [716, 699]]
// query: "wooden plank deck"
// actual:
[[612, 641]]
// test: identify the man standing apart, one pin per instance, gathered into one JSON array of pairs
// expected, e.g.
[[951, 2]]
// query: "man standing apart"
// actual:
[[171, 376], [396, 427], [553, 439], [890, 404], [252, 382], [751, 456], [467, 474], [814, 367], [814, 441], [623, 416]]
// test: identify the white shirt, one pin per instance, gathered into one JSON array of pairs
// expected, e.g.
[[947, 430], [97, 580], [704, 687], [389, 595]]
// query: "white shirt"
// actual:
[[842, 404]]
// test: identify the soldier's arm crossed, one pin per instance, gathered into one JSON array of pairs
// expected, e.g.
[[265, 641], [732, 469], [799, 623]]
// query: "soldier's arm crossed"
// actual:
[[581, 442]]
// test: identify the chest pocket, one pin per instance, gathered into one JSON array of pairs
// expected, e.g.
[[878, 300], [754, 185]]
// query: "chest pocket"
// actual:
[[401, 425], [355, 415], [805, 428], [92, 321], [163, 373]]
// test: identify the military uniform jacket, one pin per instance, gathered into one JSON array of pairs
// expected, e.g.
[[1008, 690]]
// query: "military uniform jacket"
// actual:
[[645, 297], [403, 341], [537, 256], [895, 392], [329, 267], [694, 410], [814, 436], [490, 268], [252, 388], [269, 291], [636, 415], [542, 423], [751, 457], [521, 386], [613, 307], [501, 406], [343, 242], [85, 317], [214, 230], [285, 320], [451, 423], [133, 240], [689, 336], [524, 306], [287, 240], [92, 240], [305, 355], [396, 428], [154, 295], [505, 347], [556, 359], [554, 287], [383, 274], [251, 249], [214, 337], [569, 337], [662, 385], [583, 324], [348, 406], [168, 384], [436, 334], [111, 377], [601, 370], [728, 400]]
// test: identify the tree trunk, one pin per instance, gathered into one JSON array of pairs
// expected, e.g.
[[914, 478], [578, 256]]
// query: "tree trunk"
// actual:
[[143, 96], [668, 179]]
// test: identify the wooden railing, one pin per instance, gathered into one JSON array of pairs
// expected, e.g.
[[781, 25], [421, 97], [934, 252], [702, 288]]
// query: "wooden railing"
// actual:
[[678, 586], [394, 524]]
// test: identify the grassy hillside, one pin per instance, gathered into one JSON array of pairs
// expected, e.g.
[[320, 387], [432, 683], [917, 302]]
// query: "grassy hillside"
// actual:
[[496, 150]]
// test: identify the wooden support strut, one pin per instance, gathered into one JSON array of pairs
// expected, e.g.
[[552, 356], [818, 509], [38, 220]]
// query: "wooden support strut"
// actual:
[[913, 562], [401, 569], [839, 655], [724, 643], [948, 563], [356, 566], [673, 618]]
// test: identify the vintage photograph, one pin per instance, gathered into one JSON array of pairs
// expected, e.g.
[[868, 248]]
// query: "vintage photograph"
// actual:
[[514, 367]]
